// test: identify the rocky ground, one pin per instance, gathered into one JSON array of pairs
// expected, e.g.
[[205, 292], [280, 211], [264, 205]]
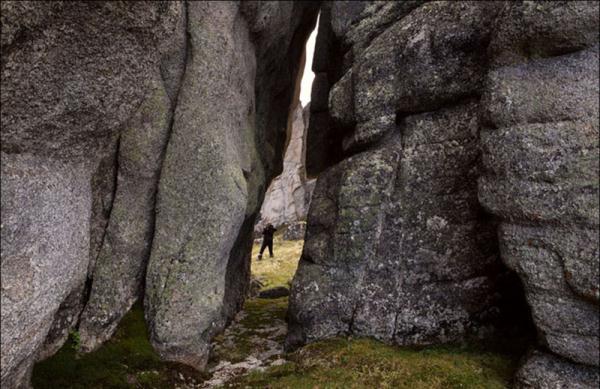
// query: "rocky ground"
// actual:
[[254, 341], [249, 354]]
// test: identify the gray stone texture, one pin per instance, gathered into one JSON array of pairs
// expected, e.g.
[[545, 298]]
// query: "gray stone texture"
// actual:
[[138, 138], [440, 108], [120, 268], [288, 196], [540, 152], [395, 246], [544, 371], [73, 73], [120, 264], [45, 207], [112, 117], [224, 147]]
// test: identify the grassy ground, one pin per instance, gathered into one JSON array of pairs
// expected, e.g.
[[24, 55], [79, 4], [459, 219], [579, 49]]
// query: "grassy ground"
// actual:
[[366, 363], [279, 270], [125, 361], [236, 345], [128, 361]]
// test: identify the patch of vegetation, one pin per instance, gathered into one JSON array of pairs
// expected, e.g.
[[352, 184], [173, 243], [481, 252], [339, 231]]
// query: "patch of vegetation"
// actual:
[[236, 343], [127, 360], [279, 270], [75, 340], [366, 363]]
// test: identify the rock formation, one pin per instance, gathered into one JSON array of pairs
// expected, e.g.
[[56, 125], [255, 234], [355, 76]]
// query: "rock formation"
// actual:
[[213, 177], [539, 139], [455, 143], [436, 110], [287, 198], [113, 113], [79, 82], [397, 246]]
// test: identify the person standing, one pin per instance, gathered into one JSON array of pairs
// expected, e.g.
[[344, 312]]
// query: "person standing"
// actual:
[[268, 232]]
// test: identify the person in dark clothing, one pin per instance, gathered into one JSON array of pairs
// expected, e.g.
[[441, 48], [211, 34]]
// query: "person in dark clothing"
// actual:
[[268, 232]]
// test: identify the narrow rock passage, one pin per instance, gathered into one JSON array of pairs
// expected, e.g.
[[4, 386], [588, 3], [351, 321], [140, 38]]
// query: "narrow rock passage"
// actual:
[[254, 340]]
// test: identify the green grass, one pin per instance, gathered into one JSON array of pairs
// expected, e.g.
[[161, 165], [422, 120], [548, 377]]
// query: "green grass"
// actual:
[[259, 313], [128, 360], [366, 363], [279, 270], [125, 361]]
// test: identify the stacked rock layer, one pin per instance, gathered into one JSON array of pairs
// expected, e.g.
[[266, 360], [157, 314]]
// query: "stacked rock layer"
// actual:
[[452, 138]]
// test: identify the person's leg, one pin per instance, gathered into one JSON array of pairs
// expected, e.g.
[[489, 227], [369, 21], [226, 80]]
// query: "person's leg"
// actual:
[[262, 248], [271, 249]]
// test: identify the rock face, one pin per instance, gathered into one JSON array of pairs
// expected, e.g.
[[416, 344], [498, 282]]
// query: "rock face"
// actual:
[[450, 139], [397, 246], [213, 178], [288, 197], [44, 252], [440, 116], [540, 152], [113, 113], [121, 262], [73, 75]]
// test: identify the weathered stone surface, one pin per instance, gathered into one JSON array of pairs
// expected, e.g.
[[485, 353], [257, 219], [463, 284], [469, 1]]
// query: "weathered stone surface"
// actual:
[[288, 197], [396, 62], [356, 23], [565, 90], [217, 161], [65, 319], [72, 75], [534, 29], [341, 101], [545, 371], [90, 92], [202, 177], [322, 300], [120, 269], [540, 152], [422, 111], [45, 215], [436, 83], [396, 247], [359, 257], [119, 272]]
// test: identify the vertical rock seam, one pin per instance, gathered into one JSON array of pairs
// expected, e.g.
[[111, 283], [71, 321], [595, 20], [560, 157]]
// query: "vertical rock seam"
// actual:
[[121, 266], [73, 73], [214, 172]]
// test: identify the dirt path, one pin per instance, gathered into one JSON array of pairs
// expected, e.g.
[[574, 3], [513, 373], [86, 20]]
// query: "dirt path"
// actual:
[[253, 342]]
